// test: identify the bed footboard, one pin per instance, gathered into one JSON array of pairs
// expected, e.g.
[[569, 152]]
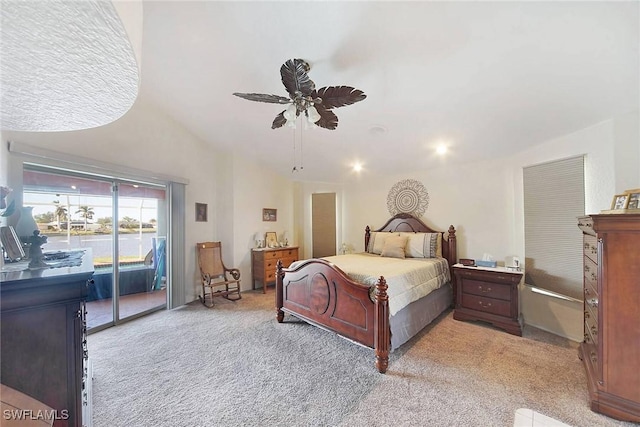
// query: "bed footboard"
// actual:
[[320, 293]]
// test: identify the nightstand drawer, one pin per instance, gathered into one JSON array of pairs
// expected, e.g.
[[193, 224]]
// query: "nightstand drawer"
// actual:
[[486, 289], [486, 305]]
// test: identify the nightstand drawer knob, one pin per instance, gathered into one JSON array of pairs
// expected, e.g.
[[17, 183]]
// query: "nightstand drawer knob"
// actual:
[[484, 305], [484, 290]]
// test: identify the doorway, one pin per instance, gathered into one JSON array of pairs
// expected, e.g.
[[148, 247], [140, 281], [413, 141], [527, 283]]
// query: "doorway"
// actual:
[[323, 224], [76, 211]]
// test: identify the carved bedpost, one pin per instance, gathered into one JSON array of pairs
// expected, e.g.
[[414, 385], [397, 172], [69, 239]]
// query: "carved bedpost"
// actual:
[[382, 332], [453, 258], [367, 236], [279, 279]]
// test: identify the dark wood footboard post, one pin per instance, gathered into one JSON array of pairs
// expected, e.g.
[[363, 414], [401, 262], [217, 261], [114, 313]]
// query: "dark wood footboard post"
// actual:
[[452, 258], [279, 303], [382, 332]]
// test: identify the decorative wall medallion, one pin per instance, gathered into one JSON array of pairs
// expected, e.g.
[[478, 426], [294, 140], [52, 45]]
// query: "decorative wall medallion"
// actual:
[[408, 196]]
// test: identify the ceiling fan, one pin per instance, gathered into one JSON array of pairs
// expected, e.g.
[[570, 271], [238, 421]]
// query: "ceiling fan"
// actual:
[[304, 98]]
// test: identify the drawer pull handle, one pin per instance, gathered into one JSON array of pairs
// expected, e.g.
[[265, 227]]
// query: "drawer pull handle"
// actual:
[[593, 276], [484, 290], [587, 245], [484, 305], [587, 315], [594, 330], [586, 268], [593, 302], [587, 291], [594, 250]]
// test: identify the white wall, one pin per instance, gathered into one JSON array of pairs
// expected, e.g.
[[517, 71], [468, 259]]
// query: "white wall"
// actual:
[[254, 188], [144, 139], [469, 196]]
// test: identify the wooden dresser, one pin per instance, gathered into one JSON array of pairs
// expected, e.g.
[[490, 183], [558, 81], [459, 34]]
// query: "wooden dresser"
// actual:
[[263, 263], [611, 347], [489, 295], [43, 332]]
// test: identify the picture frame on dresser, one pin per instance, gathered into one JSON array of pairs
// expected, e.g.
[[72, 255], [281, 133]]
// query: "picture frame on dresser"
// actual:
[[619, 201], [633, 201], [271, 239]]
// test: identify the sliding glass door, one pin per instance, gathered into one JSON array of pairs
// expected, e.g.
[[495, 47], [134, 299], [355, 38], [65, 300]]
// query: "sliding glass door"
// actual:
[[76, 212]]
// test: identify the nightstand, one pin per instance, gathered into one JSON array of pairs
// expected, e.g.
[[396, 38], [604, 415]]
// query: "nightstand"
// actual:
[[263, 264], [488, 295]]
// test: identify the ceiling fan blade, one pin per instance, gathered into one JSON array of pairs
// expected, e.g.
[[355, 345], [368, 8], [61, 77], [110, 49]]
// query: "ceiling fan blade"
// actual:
[[279, 121], [295, 78], [263, 97], [328, 119], [339, 96]]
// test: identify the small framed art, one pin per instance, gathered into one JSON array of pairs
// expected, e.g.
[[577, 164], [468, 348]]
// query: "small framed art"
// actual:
[[271, 239], [269, 214], [619, 201], [634, 200], [201, 212]]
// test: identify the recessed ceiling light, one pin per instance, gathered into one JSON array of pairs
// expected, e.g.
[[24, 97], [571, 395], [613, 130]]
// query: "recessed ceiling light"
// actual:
[[441, 149], [357, 167]]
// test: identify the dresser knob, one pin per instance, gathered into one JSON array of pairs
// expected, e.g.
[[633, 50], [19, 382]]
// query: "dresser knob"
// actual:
[[484, 290], [484, 305]]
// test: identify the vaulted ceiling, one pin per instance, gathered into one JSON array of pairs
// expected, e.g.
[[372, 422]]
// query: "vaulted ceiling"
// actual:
[[486, 79]]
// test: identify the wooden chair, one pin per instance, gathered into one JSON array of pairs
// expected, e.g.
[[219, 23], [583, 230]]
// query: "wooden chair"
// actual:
[[214, 274]]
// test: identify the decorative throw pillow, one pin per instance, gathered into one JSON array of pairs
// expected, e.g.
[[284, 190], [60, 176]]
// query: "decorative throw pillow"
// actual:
[[394, 246], [423, 245], [377, 240]]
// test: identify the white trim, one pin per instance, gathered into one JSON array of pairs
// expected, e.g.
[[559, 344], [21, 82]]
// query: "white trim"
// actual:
[[92, 166]]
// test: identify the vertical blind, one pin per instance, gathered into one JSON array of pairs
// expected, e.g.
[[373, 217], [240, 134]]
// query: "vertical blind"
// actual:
[[553, 199]]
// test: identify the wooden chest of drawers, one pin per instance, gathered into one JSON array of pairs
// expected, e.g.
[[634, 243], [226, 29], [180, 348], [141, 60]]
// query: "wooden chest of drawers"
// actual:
[[611, 347], [489, 295], [263, 263]]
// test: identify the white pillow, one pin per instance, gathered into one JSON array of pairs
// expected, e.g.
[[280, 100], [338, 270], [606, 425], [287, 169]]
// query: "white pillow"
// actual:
[[377, 240], [423, 245]]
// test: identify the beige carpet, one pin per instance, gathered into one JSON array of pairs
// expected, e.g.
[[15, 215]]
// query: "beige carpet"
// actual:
[[234, 365]]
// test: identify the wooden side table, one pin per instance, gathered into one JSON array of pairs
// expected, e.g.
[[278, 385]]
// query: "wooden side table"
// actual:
[[488, 295], [263, 264]]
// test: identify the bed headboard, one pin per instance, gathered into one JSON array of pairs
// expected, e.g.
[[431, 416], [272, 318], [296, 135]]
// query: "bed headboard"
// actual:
[[408, 223]]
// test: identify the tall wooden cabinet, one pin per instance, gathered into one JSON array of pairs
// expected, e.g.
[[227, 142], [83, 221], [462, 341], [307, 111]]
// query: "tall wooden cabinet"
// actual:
[[611, 347], [43, 336]]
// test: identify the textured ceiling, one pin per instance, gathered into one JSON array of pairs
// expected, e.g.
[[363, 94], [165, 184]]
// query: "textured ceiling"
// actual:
[[65, 65]]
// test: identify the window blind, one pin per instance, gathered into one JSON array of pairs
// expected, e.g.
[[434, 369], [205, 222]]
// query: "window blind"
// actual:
[[553, 199]]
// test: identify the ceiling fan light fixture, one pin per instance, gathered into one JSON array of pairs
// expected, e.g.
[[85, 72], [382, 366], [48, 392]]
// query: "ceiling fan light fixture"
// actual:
[[312, 114], [303, 96]]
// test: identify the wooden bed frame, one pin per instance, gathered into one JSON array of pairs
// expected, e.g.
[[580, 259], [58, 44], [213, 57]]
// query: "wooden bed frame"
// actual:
[[320, 293]]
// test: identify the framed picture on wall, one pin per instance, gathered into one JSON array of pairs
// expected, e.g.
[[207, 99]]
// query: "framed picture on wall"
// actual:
[[269, 214], [619, 201], [201, 212]]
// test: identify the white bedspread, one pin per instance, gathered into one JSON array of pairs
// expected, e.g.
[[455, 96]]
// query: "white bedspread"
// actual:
[[409, 279]]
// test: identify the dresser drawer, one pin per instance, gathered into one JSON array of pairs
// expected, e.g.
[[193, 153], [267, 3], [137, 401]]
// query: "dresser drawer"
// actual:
[[486, 305], [590, 271], [281, 253], [486, 289], [590, 247]]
